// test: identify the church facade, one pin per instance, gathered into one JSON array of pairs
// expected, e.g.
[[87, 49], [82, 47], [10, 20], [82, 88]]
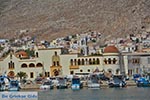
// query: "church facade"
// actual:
[[52, 62]]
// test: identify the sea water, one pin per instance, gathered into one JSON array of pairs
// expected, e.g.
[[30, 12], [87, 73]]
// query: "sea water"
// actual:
[[129, 93]]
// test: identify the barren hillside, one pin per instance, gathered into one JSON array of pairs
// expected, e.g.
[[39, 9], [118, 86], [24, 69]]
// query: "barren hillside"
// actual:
[[49, 19]]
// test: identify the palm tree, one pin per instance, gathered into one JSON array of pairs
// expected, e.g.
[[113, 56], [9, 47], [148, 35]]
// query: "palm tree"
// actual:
[[21, 75]]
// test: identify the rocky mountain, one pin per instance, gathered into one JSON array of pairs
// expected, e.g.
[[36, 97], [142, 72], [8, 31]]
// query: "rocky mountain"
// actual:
[[48, 19]]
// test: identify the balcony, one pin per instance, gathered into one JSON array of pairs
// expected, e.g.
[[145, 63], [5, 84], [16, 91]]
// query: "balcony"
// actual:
[[74, 67]]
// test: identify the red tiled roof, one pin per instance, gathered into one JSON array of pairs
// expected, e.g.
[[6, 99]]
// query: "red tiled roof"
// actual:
[[111, 49]]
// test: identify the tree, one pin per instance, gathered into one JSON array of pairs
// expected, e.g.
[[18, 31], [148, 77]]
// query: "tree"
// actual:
[[21, 75], [30, 53]]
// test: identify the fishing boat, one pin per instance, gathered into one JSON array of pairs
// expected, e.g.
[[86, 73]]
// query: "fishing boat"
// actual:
[[93, 81], [62, 83], [117, 81], [14, 85], [76, 84], [47, 85], [4, 83], [143, 82]]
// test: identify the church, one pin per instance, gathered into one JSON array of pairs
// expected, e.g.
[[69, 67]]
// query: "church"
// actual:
[[54, 62]]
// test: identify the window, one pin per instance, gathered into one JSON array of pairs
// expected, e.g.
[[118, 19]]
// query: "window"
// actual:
[[79, 63], [105, 61], [31, 65], [81, 70], [82, 61], [130, 72], [37, 55], [75, 61], [11, 65], [88, 70], [57, 63], [24, 65], [48, 75], [71, 72], [54, 63], [39, 65], [114, 60], [110, 70], [135, 61], [97, 61], [31, 75], [71, 62], [109, 61], [93, 60], [90, 61], [86, 61]]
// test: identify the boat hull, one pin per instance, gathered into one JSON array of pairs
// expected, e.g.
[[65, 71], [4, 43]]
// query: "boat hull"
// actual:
[[94, 85], [111, 85], [143, 85], [13, 89], [75, 86], [62, 87], [46, 87]]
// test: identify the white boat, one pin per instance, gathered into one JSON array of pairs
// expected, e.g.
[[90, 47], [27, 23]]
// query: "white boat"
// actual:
[[14, 85], [93, 81], [4, 83], [47, 85], [62, 83]]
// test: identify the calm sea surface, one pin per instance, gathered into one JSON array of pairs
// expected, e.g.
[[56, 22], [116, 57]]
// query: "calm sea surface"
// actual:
[[130, 93]]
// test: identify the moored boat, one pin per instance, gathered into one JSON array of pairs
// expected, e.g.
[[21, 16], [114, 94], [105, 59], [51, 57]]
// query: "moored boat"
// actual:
[[76, 84], [14, 85], [143, 82], [62, 83], [4, 83], [93, 81], [117, 81], [47, 85]]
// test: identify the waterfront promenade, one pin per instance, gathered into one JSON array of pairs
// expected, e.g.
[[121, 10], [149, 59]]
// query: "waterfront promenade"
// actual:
[[104, 84]]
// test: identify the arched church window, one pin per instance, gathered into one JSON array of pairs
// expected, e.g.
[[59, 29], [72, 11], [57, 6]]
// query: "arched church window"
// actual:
[[11, 65], [71, 62], [24, 65], [54, 63], [31, 65], [37, 54], [109, 61], [93, 60], [57, 63], [86, 61], [105, 61], [39, 65], [97, 61], [82, 61], [90, 61], [79, 63], [114, 60], [75, 61]]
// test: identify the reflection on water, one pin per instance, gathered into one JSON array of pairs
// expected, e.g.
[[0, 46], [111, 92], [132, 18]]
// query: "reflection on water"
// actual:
[[132, 93]]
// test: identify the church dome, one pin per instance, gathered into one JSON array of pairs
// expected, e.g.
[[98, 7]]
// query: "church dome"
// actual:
[[22, 54], [111, 49]]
